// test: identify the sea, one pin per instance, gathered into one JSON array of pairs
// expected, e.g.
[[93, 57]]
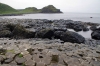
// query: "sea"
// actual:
[[84, 17]]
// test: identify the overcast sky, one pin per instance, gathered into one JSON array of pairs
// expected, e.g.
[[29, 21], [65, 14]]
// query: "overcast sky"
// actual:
[[86, 6]]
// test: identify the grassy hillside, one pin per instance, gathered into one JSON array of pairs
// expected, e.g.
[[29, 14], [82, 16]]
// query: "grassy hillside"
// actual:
[[6, 9], [47, 9], [29, 10]]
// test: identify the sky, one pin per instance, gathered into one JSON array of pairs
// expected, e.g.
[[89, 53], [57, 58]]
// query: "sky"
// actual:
[[82, 6]]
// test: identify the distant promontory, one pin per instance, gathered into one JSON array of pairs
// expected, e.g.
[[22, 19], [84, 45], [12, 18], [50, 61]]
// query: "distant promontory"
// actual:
[[50, 9], [8, 10]]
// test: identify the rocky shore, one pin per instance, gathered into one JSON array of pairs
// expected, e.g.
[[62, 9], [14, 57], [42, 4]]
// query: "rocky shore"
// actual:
[[51, 29], [42, 42], [45, 52]]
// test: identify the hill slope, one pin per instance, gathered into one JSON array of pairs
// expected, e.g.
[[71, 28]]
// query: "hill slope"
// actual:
[[29, 10], [47, 9], [50, 9], [6, 8]]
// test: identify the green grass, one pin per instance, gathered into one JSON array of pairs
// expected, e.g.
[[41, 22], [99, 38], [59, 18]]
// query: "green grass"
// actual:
[[6, 10], [20, 55]]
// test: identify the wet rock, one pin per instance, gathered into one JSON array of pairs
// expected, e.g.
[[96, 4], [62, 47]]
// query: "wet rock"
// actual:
[[73, 37], [3, 51], [30, 34], [70, 24], [20, 32], [57, 34], [10, 26], [44, 33], [92, 24], [28, 26], [77, 28], [1, 59], [3, 27], [93, 28], [85, 29], [5, 33], [96, 35]]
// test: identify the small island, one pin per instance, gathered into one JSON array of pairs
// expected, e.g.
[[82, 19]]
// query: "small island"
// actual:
[[6, 10]]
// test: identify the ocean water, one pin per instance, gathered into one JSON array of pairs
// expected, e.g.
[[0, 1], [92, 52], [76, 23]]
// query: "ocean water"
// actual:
[[84, 17]]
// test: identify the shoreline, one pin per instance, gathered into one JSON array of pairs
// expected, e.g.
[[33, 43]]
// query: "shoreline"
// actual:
[[11, 14], [50, 29], [26, 13], [37, 42]]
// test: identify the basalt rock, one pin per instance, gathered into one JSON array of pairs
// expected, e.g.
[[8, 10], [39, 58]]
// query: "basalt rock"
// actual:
[[45, 33], [77, 28], [10, 26], [73, 37], [20, 32], [85, 29], [93, 28], [57, 34], [5, 33], [96, 35]]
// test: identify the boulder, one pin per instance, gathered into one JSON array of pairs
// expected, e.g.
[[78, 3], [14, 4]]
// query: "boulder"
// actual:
[[73, 37], [93, 28], [10, 26], [96, 35], [85, 29], [30, 34], [57, 34], [69, 25], [5, 33], [45, 33], [77, 28], [20, 32], [3, 27]]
